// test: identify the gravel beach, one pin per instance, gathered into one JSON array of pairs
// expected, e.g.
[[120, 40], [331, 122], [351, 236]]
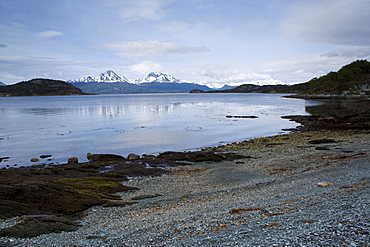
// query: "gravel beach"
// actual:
[[298, 189]]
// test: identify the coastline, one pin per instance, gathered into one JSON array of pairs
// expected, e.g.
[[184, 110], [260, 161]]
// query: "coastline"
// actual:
[[269, 196]]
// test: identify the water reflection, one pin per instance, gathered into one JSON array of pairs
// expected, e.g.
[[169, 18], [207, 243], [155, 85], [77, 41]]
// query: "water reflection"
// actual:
[[73, 126]]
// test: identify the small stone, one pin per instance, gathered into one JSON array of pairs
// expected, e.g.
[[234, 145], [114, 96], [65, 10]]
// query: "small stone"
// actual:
[[324, 184], [73, 160], [133, 157], [35, 160]]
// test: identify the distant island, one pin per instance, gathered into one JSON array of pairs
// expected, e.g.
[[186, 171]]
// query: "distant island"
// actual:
[[40, 87], [352, 80]]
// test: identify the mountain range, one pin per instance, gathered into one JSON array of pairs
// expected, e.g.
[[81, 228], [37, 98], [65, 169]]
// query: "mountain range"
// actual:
[[2, 84], [108, 77], [110, 83]]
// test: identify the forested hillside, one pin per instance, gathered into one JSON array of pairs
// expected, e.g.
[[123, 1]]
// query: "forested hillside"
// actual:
[[40, 87]]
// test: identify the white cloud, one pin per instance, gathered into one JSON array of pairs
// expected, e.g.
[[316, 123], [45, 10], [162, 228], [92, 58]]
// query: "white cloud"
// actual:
[[140, 10], [330, 21], [50, 34], [359, 52], [305, 67], [173, 26], [10, 76], [149, 48], [145, 67], [224, 73]]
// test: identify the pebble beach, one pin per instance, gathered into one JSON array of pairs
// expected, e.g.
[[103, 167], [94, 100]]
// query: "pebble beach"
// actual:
[[298, 189]]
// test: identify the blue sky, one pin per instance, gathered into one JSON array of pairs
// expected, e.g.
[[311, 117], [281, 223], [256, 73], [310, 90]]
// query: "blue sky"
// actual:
[[203, 41]]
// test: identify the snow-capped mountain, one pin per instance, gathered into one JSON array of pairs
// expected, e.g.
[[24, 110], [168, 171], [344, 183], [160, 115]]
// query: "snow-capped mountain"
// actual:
[[158, 78], [2, 84], [109, 77], [111, 83]]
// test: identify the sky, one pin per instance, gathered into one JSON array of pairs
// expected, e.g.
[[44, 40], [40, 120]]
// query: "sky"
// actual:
[[212, 42]]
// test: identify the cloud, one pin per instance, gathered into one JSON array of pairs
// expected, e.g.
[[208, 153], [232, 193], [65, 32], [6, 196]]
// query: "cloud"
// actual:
[[149, 48], [223, 73], [173, 26], [340, 22], [3, 46], [305, 67], [361, 52], [10, 76], [145, 67], [49, 34], [140, 10]]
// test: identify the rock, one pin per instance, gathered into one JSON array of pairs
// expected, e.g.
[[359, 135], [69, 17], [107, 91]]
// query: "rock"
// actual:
[[35, 160], [45, 156], [104, 157], [4, 158], [322, 148], [133, 157], [198, 156], [321, 141], [324, 184], [73, 160]]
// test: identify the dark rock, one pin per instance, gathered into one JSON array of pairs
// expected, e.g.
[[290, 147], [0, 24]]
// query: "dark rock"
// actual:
[[133, 157], [198, 156], [4, 158], [45, 156], [322, 141], [73, 160], [322, 148], [35, 160], [104, 157]]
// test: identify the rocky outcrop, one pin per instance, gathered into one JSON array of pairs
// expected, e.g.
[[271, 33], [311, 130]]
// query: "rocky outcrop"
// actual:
[[67, 190]]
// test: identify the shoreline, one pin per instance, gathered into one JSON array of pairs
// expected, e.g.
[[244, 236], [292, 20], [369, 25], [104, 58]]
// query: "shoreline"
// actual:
[[263, 189], [269, 197]]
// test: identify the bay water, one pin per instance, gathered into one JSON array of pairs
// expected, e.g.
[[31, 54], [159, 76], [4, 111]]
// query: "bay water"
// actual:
[[72, 126]]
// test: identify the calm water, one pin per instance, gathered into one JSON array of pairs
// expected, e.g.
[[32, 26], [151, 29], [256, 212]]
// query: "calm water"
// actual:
[[66, 126]]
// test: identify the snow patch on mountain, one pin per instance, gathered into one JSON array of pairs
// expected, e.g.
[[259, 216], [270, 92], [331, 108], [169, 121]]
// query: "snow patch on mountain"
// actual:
[[108, 77], [158, 78]]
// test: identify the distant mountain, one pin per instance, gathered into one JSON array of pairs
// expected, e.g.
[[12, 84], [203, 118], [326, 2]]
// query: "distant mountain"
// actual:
[[40, 87], [111, 83], [158, 78], [351, 80], [107, 77], [225, 87], [2, 84], [251, 88]]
